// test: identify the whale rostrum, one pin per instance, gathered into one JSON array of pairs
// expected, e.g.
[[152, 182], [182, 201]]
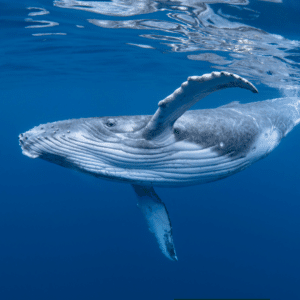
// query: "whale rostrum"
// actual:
[[174, 147]]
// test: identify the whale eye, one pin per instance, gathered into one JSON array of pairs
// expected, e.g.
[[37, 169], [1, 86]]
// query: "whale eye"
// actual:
[[110, 123], [180, 133]]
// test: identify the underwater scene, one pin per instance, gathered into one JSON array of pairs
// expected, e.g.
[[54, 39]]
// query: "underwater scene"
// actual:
[[122, 123]]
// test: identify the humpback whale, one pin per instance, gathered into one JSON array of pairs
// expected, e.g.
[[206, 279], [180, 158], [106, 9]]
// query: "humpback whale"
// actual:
[[175, 147]]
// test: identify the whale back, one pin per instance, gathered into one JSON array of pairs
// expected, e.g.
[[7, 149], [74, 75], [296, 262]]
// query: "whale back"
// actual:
[[234, 128]]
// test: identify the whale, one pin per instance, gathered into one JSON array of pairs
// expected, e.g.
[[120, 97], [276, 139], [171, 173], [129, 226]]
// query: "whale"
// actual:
[[174, 147]]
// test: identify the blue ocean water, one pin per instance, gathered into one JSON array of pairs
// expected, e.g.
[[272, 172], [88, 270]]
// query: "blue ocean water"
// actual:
[[65, 235]]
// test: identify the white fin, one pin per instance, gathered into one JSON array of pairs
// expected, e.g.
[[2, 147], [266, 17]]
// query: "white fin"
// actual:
[[157, 218], [190, 92]]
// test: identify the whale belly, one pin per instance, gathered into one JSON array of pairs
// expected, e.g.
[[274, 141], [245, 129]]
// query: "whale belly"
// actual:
[[179, 164]]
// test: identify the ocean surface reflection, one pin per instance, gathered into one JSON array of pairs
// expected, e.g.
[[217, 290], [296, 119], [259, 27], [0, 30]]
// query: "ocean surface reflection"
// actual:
[[196, 27]]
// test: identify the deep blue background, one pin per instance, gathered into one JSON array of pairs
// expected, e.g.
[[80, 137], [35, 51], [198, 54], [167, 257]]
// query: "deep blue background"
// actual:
[[68, 236]]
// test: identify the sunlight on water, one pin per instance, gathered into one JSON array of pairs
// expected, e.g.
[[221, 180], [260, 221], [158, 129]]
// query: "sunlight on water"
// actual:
[[216, 37], [41, 23]]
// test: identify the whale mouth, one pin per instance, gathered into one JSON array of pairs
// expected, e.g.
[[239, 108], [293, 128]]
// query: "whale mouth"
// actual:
[[68, 147], [27, 144]]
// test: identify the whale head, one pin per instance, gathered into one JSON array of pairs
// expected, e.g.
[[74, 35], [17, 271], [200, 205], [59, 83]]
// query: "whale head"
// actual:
[[91, 145]]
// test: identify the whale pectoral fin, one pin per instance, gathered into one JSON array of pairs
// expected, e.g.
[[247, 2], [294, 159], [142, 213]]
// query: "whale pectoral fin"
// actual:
[[157, 218], [190, 92]]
